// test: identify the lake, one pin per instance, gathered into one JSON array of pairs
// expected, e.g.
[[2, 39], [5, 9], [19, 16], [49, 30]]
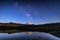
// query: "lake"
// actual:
[[24, 35]]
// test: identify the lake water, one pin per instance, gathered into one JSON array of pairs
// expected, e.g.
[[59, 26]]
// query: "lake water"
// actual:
[[24, 35]]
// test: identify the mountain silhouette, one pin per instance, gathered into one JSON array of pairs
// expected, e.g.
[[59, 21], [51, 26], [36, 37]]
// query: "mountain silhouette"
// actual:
[[52, 28]]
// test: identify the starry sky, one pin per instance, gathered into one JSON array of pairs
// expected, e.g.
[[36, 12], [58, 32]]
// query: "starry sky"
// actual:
[[35, 11]]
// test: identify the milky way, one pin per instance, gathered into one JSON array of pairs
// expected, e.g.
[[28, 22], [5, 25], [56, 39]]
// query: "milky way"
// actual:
[[36, 11]]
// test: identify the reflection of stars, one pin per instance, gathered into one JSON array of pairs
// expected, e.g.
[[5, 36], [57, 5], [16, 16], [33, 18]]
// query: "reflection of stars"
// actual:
[[29, 33]]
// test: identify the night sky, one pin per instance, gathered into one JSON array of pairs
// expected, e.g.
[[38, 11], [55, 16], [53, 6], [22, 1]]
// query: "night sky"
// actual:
[[35, 11]]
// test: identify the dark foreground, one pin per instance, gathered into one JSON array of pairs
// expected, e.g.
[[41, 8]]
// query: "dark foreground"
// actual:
[[52, 28]]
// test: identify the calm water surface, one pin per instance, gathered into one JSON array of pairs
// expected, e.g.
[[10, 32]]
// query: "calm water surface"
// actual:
[[24, 35]]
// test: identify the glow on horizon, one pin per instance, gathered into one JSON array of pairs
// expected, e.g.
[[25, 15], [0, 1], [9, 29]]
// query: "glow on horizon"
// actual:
[[37, 13]]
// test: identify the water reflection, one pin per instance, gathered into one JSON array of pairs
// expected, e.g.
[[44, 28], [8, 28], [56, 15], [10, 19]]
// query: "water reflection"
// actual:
[[24, 35]]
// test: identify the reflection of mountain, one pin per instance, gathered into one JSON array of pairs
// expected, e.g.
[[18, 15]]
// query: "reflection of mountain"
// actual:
[[24, 36], [53, 28]]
